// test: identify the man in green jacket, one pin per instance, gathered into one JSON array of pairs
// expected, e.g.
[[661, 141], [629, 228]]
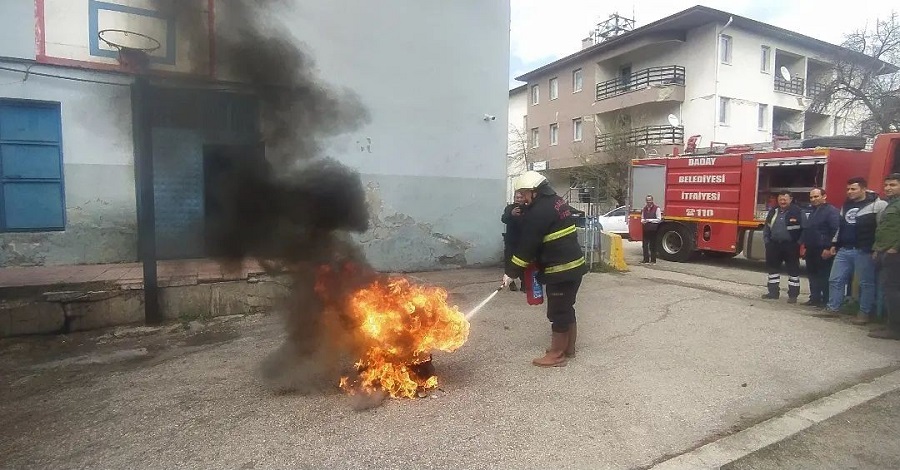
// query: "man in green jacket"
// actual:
[[885, 251]]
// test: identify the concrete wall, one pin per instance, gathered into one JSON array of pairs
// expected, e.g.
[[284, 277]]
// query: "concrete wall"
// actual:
[[428, 72], [98, 166], [435, 169], [17, 29]]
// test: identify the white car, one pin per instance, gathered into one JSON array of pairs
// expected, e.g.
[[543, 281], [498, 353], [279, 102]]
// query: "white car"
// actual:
[[615, 221]]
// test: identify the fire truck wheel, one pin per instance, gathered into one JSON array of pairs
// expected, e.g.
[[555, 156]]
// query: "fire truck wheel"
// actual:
[[853, 142], [676, 243]]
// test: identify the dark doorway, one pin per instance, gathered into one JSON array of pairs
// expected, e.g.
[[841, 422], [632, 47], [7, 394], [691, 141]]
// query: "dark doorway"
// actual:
[[227, 174]]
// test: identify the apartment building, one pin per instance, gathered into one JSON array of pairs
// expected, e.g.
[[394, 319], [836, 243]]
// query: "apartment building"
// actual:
[[719, 77]]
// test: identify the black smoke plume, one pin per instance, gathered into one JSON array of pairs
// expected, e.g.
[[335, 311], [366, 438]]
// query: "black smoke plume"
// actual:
[[282, 203]]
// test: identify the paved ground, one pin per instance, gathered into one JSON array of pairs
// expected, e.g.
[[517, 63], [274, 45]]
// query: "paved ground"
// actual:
[[864, 437], [667, 363]]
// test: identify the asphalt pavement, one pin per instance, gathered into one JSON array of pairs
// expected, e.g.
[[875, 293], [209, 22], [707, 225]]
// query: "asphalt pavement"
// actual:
[[668, 362]]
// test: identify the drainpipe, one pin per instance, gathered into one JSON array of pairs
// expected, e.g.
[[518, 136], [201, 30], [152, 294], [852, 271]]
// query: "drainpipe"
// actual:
[[716, 117]]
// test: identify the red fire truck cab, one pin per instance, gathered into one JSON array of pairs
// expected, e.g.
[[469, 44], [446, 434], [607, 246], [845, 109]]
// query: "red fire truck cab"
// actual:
[[716, 203]]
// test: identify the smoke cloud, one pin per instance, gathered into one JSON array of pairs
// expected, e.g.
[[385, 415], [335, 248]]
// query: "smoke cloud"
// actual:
[[282, 202]]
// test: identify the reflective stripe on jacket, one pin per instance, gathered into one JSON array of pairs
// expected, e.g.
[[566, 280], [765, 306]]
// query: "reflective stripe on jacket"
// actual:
[[549, 238]]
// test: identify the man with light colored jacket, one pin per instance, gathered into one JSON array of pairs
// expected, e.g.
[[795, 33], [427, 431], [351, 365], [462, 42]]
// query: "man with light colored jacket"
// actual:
[[852, 249]]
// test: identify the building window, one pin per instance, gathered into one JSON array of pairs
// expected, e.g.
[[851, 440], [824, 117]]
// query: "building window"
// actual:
[[762, 117], [576, 129], [535, 138], [32, 198], [554, 88], [724, 104], [577, 81], [725, 48], [554, 134], [764, 55], [535, 94]]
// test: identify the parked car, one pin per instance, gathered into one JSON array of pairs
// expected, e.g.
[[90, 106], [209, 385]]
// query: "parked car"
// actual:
[[615, 221]]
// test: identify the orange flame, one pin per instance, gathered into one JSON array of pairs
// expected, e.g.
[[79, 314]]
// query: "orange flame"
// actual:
[[398, 326]]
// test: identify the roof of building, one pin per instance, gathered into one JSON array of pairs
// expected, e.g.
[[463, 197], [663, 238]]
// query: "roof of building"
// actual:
[[517, 89], [695, 17]]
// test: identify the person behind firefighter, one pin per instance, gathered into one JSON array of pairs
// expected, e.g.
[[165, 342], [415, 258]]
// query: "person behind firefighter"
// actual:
[[549, 239], [781, 235], [651, 217], [886, 252], [852, 250], [512, 216], [819, 229]]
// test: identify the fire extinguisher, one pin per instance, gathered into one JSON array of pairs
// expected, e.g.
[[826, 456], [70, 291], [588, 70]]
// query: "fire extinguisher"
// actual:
[[533, 289]]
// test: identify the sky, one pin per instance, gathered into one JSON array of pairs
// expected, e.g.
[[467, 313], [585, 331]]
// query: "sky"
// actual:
[[545, 30]]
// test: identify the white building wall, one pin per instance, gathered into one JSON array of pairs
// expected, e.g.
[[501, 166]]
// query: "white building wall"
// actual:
[[428, 72], [742, 81], [98, 169]]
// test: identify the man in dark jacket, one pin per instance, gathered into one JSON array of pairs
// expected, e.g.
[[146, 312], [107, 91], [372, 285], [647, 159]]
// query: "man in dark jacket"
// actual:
[[886, 251], [512, 217], [549, 239], [852, 249], [819, 230], [782, 238]]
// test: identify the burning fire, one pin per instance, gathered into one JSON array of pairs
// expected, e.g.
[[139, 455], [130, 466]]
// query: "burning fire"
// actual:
[[396, 325]]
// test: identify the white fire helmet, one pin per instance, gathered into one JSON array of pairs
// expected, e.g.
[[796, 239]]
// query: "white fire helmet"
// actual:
[[529, 180]]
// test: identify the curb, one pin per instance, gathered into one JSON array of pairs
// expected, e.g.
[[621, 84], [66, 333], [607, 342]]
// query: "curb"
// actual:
[[736, 446]]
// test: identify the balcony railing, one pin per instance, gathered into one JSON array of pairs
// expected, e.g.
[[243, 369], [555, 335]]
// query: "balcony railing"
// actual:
[[794, 86], [814, 89], [790, 135], [641, 137], [665, 75]]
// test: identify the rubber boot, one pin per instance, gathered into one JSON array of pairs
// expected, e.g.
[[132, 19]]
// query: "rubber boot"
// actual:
[[556, 356], [573, 334]]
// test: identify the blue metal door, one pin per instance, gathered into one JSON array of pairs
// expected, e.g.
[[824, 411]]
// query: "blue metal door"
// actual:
[[32, 196], [178, 193]]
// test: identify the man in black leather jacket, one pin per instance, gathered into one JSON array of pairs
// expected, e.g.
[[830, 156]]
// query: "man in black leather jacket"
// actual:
[[819, 230]]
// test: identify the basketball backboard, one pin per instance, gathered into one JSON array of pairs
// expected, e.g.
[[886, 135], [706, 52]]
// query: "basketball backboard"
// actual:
[[69, 33]]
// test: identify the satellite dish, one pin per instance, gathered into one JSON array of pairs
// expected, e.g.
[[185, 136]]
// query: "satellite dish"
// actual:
[[785, 73], [673, 120]]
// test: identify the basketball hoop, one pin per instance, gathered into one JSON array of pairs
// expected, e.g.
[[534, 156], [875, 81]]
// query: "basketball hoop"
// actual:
[[134, 48]]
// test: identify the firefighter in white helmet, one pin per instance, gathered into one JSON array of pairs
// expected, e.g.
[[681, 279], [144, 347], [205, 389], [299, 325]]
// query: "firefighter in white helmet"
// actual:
[[548, 239]]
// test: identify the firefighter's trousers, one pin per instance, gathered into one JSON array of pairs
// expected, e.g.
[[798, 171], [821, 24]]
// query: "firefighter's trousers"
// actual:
[[787, 253]]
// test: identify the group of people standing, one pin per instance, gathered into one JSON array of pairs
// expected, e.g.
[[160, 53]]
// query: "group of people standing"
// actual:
[[860, 239]]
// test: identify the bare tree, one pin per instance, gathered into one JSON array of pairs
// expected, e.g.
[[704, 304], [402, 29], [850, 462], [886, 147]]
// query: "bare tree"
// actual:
[[863, 81], [607, 169], [517, 155]]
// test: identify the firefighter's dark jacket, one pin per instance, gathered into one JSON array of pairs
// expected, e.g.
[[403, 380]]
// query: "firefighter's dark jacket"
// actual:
[[793, 220], [549, 238]]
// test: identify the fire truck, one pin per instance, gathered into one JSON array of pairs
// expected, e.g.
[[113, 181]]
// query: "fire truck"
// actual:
[[715, 204]]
